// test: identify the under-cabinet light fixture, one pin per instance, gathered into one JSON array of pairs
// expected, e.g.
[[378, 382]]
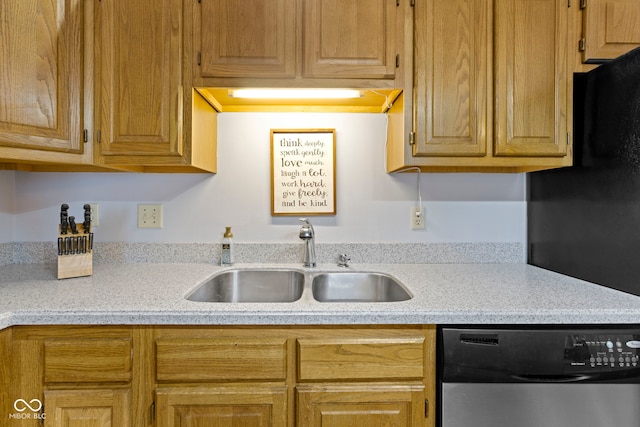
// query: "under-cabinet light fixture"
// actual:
[[295, 93]]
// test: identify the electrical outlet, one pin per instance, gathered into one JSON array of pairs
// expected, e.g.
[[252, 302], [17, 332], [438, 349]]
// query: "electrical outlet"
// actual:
[[417, 218], [95, 215], [149, 216]]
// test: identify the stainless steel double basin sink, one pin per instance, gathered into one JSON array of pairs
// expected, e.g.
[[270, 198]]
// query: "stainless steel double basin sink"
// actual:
[[288, 285]]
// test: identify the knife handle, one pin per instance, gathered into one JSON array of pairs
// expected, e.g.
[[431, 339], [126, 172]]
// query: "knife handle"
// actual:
[[90, 242], [60, 250], [66, 246]]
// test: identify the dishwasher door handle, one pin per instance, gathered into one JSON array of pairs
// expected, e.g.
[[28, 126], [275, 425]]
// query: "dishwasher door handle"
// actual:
[[551, 378]]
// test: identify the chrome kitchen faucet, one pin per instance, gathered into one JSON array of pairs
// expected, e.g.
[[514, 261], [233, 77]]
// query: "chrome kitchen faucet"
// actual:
[[307, 234]]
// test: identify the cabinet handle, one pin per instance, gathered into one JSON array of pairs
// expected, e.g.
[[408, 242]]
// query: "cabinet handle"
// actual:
[[426, 408]]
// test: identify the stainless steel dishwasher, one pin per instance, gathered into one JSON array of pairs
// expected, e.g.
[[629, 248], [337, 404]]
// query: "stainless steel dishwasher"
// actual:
[[539, 377]]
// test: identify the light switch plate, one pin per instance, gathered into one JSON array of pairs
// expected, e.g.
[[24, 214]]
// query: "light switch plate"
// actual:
[[95, 215], [149, 216]]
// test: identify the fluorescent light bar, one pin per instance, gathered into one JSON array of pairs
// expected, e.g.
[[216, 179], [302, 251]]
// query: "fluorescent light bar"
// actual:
[[295, 93]]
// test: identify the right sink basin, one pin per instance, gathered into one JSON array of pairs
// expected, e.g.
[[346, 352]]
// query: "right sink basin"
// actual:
[[358, 287]]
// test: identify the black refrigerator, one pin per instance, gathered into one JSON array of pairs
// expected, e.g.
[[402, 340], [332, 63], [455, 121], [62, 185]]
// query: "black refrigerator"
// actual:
[[584, 220]]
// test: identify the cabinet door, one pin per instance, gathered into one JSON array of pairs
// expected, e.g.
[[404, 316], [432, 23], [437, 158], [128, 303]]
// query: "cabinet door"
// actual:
[[610, 28], [350, 39], [87, 408], [360, 405], [452, 82], [531, 77], [244, 406], [139, 80], [248, 38], [41, 74]]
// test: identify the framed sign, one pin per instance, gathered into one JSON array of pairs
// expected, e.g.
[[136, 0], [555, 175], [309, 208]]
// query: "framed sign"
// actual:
[[303, 172]]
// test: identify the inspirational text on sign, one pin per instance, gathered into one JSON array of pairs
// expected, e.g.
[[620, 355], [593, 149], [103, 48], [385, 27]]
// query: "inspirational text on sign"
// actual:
[[303, 172]]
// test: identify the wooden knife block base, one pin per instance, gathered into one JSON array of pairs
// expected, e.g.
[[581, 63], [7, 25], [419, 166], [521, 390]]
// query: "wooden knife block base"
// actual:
[[75, 265]]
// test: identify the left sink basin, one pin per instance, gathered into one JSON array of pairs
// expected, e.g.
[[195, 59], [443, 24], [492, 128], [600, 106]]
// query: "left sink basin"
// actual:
[[240, 285]]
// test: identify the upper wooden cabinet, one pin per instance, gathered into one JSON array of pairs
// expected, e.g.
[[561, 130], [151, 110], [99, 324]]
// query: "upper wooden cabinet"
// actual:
[[255, 38], [493, 95], [610, 28], [532, 79], [352, 39], [42, 82], [452, 77], [42, 67], [101, 86], [144, 101], [312, 42]]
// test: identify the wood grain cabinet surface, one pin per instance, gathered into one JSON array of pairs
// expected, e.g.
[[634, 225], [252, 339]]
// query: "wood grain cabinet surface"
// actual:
[[610, 28], [360, 405], [42, 83], [91, 408], [101, 86], [339, 359], [71, 375], [148, 118], [532, 76], [192, 376], [310, 43], [42, 66], [221, 359], [307, 376], [241, 406], [492, 95]]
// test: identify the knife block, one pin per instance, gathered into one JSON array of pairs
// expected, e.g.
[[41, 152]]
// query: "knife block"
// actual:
[[76, 259]]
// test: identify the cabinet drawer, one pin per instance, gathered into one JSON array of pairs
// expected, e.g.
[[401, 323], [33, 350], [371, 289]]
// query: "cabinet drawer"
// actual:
[[87, 360], [361, 358], [224, 359]]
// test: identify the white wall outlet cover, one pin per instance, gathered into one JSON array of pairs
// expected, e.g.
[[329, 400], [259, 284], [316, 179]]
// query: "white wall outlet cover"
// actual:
[[149, 216], [417, 218]]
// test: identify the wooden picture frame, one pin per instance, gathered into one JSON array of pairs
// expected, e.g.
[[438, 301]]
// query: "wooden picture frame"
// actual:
[[303, 172]]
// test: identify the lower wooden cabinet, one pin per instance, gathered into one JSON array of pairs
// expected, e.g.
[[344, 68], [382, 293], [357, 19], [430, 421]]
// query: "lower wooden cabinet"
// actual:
[[360, 405], [194, 376], [70, 376], [88, 408], [222, 406]]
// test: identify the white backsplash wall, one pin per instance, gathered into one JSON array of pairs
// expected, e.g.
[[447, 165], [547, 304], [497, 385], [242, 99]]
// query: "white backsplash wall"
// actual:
[[7, 206], [372, 206]]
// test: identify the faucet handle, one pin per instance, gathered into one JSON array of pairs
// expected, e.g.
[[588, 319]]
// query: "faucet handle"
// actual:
[[306, 231], [343, 260]]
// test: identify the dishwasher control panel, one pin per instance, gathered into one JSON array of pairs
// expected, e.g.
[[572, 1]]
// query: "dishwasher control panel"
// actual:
[[602, 352]]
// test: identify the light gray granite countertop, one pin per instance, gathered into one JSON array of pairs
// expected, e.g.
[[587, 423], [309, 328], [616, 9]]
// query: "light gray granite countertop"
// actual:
[[147, 293]]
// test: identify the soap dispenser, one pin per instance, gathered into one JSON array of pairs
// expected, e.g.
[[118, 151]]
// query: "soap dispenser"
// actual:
[[226, 257]]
